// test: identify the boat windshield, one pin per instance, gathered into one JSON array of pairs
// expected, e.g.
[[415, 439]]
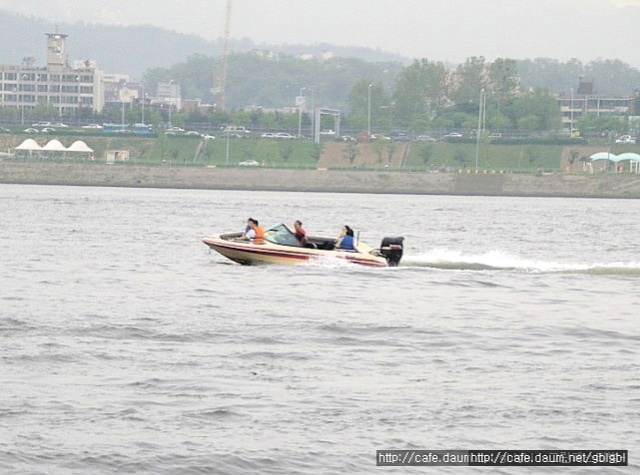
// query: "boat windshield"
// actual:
[[282, 235]]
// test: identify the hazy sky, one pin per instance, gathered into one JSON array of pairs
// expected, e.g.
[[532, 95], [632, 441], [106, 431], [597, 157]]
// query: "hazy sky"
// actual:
[[446, 30]]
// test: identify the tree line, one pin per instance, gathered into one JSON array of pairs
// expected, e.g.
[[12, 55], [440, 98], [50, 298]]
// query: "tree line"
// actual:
[[517, 94]]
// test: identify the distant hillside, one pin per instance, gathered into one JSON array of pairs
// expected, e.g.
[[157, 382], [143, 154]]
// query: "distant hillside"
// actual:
[[134, 49]]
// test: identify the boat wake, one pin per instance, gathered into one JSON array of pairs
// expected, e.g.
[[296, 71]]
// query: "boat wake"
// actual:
[[500, 261]]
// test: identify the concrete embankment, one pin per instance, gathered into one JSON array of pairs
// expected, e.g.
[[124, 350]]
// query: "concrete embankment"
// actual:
[[98, 174]]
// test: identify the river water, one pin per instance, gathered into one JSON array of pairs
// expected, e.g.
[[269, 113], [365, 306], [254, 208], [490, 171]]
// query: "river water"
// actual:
[[128, 347]]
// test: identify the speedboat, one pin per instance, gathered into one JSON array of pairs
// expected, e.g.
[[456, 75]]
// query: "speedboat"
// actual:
[[280, 246]]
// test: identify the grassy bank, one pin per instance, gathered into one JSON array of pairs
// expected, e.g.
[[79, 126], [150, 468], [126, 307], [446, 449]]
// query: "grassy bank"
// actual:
[[189, 151]]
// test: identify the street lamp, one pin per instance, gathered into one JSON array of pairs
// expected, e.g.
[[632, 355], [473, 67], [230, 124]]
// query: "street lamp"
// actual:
[[227, 151], [143, 103], [481, 118], [171, 83], [300, 112], [23, 77], [369, 110], [313, 109], [571, 115]]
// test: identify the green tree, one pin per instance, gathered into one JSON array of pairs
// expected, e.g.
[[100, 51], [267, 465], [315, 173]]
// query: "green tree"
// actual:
[[471, 79], [286, 149], [426, 152], [358, 103], [503, 81], [351, 152], [380, 147], [537, 110], [460, 157], [316, 152], [421, 91]]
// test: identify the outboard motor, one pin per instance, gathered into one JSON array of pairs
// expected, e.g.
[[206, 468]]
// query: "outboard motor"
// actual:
[[392, 248]]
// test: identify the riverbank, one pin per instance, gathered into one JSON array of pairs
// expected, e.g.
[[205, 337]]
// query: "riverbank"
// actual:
[[340, 181]]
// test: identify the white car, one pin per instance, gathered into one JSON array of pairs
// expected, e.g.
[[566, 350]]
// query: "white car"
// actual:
[[249, 163], [92, 126], [284, 136], [268, 135], [626, 139]]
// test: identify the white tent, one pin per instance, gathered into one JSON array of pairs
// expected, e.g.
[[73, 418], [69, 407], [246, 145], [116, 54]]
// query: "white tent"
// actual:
[[54, 146], [26, 148], [80, 148], [29, 145], [54, 149]]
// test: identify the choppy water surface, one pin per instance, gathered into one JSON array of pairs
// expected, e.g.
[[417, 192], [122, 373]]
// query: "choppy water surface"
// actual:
[[127, 347]]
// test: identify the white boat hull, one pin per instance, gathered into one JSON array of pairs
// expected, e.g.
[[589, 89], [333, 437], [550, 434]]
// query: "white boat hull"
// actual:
[[249, 253]]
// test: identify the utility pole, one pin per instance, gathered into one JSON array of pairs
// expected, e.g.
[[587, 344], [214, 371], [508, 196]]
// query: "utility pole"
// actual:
[[220, 76]]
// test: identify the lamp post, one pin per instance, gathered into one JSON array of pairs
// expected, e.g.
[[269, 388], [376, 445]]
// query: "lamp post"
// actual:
[[313, 109], [369, 110], [23, 77], [170, 102], [143, 103], [481, 118], [79, 98], [227, 151], [300, 111], [571, 115], [122, 117]]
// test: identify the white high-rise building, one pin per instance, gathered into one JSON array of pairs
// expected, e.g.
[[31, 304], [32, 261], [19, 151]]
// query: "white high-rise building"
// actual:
[[68, 89]]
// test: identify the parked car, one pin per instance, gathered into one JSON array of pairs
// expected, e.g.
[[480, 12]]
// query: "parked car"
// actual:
[[41, 124], [235, 128], [400, 136], [284, 136], [268, 135], [47, 130], [92, 126], [192, 133], [626, 139], [31, 130], [175, 129], [249, 163], [327, 132], [425, 138], [208, 137]]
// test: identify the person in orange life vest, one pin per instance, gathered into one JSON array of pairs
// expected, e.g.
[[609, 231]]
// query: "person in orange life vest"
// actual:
[[256, 233], [253, 232], [299, 232]]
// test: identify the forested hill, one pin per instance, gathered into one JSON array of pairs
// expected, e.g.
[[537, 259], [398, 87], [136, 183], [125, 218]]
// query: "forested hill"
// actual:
[[133, 50]]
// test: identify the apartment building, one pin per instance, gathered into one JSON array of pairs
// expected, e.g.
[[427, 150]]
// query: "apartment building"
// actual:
[[69, 89], [583, 101]]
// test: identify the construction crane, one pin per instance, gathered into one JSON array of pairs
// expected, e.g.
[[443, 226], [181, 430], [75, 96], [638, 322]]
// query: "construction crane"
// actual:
[[220, 75]]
